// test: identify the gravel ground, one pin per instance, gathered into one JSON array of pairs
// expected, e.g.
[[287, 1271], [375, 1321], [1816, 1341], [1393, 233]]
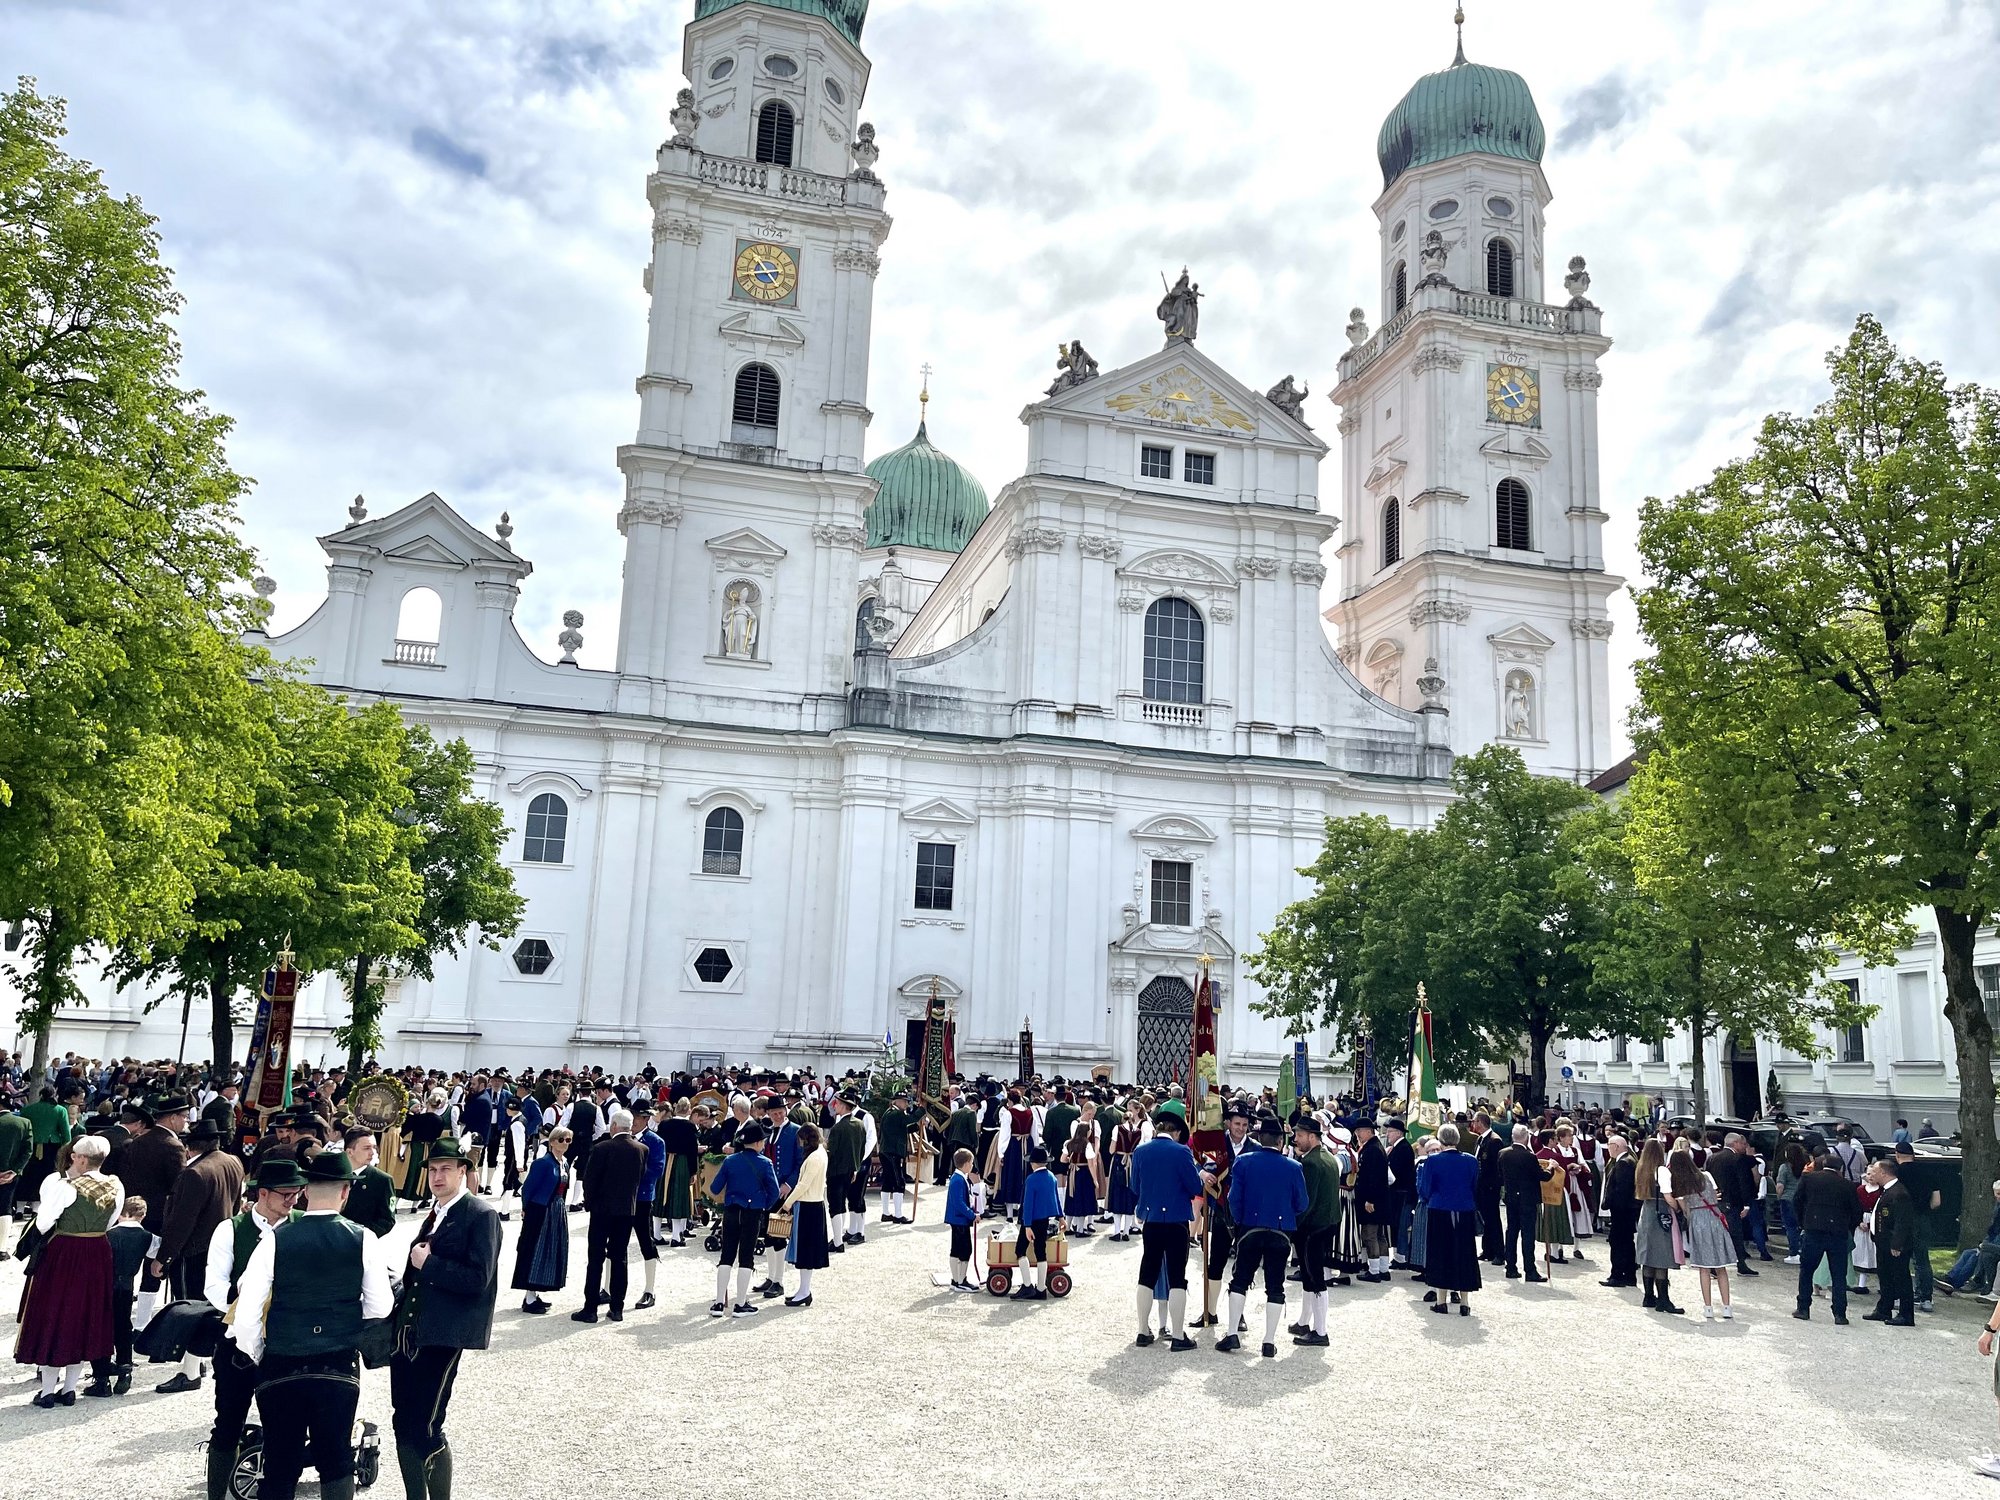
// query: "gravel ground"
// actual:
[[925, 1392]]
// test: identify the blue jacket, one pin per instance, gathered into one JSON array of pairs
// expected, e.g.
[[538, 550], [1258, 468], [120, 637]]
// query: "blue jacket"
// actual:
[[1267, 1190], [475, 1116], [1166, 1181], [656, 1165], [544, 1173], [785, 1153], [958, 1200], [746, 1180], [1041, 1197], [531, 1115], [1449, 1181]]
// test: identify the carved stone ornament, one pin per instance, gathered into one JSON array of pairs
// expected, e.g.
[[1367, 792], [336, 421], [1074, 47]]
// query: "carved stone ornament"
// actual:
[[259, 609], [857, 260], [1131, 602], [1074, 366], [1257, 567], [1577, 284], [840, 534], [357, 512], [1438, 611], [1289, 398], [833, 131], [1309, 572], [1091, 544], [571, 639], [1350, 423], [1182, 397], [1584, 380], [505, 529], [1347, 651], [717, 111], [1432, 257], [1438, 357], [1431, 684], [648, 511], [1034, 539], [1357, 328], [1591, 630], [865, 153], [686, 118], [666, 226], [1221, 611], [1517, 706]]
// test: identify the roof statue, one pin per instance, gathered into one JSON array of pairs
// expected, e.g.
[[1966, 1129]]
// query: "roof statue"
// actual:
[[1180, 309]]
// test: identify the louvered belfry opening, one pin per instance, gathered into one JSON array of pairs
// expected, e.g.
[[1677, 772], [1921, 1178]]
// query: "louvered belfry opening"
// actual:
[[774, 133]]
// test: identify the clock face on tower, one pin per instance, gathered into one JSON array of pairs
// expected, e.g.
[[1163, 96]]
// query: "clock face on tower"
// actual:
[[1513, 394], [766, 273]]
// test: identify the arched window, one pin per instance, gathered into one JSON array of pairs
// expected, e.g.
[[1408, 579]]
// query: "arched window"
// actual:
[[1510, 516], [774, 133], [1499, 268], [754, 416], [863, 636], [1401, 295], [547, 833], [722, 842], [417, 623], [1392, 531], [1175, 651]]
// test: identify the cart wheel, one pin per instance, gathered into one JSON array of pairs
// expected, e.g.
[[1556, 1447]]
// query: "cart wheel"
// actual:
[[249, 1472], [1059, 1282], [997, 1282]]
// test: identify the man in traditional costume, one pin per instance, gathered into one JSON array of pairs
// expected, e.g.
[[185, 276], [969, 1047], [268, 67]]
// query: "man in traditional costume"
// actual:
[[611, 1197], [371, 1196], [1267, 1193], [644, 1223], [1375, 1209], [1221, 1237], [895, 1127], [205, 1193], [846, 1165], [1165, 1185], [1314, 1235]]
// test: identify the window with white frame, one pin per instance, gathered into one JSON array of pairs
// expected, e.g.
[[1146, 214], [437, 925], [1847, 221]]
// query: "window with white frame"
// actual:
[[1987, 977], [1156, 463], [1172, 902], [545, 838], [1176, 652], [1198, 468], [722, 842], [937, 871], [1850, 1043]]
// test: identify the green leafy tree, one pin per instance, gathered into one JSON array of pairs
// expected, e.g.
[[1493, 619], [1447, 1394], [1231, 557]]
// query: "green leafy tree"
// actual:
[[123, 696], [318, 853], [453, 843], [1823, 620], [1702, 928]]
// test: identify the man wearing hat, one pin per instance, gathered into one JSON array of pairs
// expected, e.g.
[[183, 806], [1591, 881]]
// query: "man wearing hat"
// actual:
[[747, 1184], [147, 1168], [1221, 1228], [781, 1144], [846, 1161], [1267, 1193], [1402, 1185], [896, 1125], [300, 1305], [1314, 1236], [1374, 1209], [204, 1195], [1165, 1183], [449, 1287], [645, 1223], [274, 1192]]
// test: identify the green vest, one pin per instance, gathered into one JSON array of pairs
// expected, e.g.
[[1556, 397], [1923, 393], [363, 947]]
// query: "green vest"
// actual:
[[315, 1287], [846, 1146], [243, 1242], [892, 1136]]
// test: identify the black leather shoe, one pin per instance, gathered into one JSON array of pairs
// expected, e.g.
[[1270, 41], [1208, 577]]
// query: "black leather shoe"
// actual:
[[46, 1400], [1311, 1340], [123, 1384], [1228, 1344], [66, 1398], [98, 1388], [1806, 1317], [1269, 1351], [645, 1301], [1180, 1346], [1144, 1341], [178, 1384], [616, 1315], [1745, 1270], [585, 1315], [1839, 1319]]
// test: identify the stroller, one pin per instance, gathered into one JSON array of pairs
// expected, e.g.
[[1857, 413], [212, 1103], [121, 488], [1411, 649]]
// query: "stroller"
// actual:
[[249, 1470]]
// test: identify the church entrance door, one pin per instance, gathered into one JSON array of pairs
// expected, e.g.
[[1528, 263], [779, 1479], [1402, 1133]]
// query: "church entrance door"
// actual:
[[1166, 1030]]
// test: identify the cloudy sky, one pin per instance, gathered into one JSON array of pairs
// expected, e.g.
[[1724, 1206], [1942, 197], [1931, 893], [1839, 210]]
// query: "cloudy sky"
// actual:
[[410, 234]]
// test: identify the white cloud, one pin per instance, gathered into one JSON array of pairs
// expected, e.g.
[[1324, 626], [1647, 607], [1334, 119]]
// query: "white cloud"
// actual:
[[410, 236]]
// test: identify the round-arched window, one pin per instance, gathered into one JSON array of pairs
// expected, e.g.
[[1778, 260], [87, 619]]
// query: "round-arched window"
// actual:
[[1499, 268], [1176, 652], [1511, 519], [722, 842], [546, 836], [775, 129], [1392, 532]]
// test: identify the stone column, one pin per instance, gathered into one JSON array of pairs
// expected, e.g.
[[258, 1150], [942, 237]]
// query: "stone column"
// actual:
[[614, 963]]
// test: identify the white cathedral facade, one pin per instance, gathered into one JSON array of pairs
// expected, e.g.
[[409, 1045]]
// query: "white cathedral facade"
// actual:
[[867, 733]]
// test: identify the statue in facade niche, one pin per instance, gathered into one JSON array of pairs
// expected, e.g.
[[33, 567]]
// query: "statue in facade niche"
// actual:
[[1520, 706], [739, 622], [1180, 309]]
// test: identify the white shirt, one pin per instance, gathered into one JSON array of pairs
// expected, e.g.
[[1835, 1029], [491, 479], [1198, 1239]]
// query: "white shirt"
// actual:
[[222, 1255], [253, 1290], [58, 1193]]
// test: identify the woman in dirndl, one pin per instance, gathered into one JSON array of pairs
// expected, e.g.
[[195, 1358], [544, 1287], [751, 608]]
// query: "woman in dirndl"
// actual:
[[1082, 1177], [1344, 1256], [1553, 1226], [806, 1249], [1017, 1123], [541, 1254], [1130, 1135], [1420, 1221], [1711, 1248], [1659, 1237], [1447, 1188], [421, 1129], [66, 1306]]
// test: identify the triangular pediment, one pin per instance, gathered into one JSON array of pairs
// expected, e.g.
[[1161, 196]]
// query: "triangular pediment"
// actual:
[[1182, 389], [938, 810], [1385, 474], [427, 531], [744, 542], [1514, 443], [763, 328], [1522, 636]]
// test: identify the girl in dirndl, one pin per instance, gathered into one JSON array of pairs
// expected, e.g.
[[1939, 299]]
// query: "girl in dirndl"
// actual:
[[66, 1306], [1659, 1237], [1081, 1177], [421, 1129], [1711, 1249], [1017, 1127], [1553, 1226], [1131, 1134], [541, 1254], [806, 1249]]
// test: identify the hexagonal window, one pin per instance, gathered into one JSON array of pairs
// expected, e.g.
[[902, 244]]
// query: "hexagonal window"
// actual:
[[713, 965], [533, 956]]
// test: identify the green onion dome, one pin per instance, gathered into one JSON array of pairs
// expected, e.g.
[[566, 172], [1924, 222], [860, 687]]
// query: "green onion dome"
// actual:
[[926, 499], [1468, 107], [848, 15]]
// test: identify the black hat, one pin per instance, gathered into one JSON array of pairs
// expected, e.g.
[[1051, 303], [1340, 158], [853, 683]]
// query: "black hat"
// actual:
[[1392, 1123], [204, 1130], [1167, 1119], [1039, 1157], [848, 1096], [169, 1104], [1308, 1122], [1270, 1125], [776, 1101], [330, 1166], [1238, 1111], [276, 1173], [640, 1107], [1362, 1122], [446, 1148], [132, 1109], [899, 1094], [750, 1135]]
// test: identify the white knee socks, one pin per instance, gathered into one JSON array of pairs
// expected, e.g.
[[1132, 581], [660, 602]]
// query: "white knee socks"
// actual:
[[805, 1284], [1274, 1314], [722, 1283], [652, 1268], [1236, 1301], [958, 1273], [680, 1229], [743, 1274], [51, 1378], [895, 1205], [1317, 1305], [1144, 1303], [193, 1367], [1177, 1311], [72, 1376]]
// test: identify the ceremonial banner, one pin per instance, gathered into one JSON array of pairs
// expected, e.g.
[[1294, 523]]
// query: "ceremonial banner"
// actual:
[[931, 1076], [1288, 1094], [1027, 1050], [1301, 1075], [271, 1086], [1204, 1094], [1371, 1080], [1425, 1113]]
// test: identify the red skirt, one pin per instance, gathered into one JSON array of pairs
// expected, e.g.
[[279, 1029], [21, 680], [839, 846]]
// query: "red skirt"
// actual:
[[66, 1306]]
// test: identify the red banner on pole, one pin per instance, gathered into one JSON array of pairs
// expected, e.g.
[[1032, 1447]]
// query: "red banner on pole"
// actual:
[[1204, 1093], [274, 1057]]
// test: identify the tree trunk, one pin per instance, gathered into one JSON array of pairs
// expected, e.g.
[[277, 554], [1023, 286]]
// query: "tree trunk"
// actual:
[[361, 1019], [1972, 1038], [221, 1030], [1698, 1031], [52, 960], [1539, 1033]]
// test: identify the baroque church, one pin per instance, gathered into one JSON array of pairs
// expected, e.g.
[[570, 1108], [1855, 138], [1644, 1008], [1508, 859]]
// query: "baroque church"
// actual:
[[870, 733]]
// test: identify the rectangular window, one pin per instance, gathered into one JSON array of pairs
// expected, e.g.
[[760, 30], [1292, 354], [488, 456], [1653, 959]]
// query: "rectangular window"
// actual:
[[936, 865], [1621, 1049], [1851, 1042], [1918, 1021], [1198, 468], [1173, 893], [1156, 463], [1987, 976], [1656, 1052]]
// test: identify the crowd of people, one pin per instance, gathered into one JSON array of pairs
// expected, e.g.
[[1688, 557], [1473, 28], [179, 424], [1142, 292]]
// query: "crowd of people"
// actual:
[[250, 1247]]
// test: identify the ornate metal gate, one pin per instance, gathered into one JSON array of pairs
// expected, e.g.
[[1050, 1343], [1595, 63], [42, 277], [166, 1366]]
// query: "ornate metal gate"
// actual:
[[1166, 1029]]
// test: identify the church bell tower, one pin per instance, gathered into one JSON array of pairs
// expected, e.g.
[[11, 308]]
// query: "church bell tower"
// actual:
[[744, 490]]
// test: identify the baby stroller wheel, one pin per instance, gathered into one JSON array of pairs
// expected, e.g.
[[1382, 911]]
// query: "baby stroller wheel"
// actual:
[[1059, 1282], [997, 1282], [367, 1457], [714, 1241], [249, 1471]]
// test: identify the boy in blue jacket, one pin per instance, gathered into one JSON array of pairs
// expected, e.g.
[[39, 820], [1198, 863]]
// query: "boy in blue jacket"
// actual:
[[1041, 1206], [747, 1184], [961, 1212]]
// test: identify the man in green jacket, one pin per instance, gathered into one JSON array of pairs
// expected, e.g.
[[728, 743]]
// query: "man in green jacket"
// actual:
[[846, 1173], [1314, 1235], [53, 1127], [1058, 1122], [17, 1149], [893, 1127]]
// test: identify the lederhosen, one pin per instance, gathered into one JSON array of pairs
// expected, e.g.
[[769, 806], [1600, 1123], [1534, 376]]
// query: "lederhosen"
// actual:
[[310, 1378]]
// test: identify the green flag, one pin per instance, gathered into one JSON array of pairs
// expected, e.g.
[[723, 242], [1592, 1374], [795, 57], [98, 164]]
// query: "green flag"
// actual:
[[1288, 1090], [1425, 1115]]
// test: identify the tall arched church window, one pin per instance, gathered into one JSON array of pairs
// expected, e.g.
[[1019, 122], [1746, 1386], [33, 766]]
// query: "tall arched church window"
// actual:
[[1401, 294], [774, 133], [1499, 268], [863, 637], [1392, 531], [754, 413], [1176, 649], [547, 834], [722, 842], [1510, 516]]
